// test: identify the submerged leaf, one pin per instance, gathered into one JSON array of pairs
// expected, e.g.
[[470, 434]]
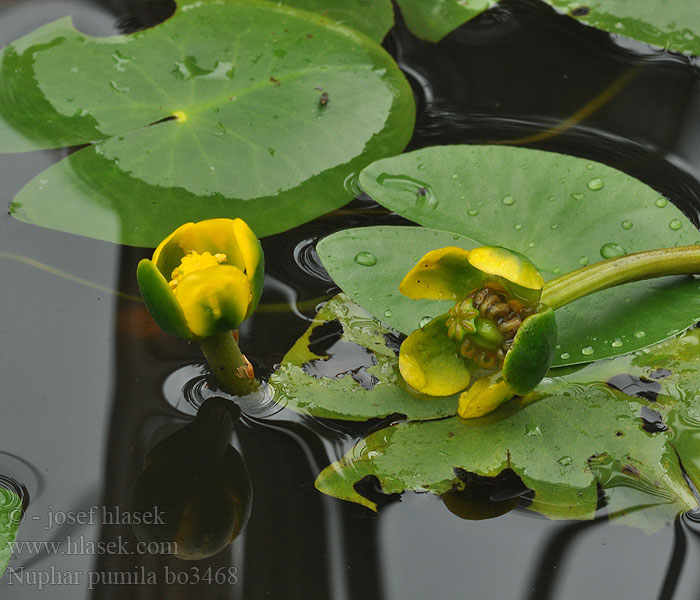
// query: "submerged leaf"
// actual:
[[228, 108], [560, 211]]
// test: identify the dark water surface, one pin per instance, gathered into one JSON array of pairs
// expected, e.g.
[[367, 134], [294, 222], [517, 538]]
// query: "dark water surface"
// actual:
[[89, 385]]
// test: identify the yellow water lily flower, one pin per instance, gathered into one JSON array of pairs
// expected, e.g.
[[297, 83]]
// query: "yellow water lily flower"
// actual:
[[497, 328], [205, 278]]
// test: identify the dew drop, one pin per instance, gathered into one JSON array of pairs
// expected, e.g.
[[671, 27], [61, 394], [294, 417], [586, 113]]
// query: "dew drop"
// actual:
[[675, 224], [639, 334], [583, 261], [518, 226], [562, 180], [589, 166], [595, 184], [366, 259], [454, 176], [612, 250], [617, 343], [387, 313], [472, 212], [425, 320], [626, 224], [508, 200], [555, 226], [455, 237], [565, 356], [565, 461], [533, 430], [577, 196], [531, 245], [587, 351], [556, 270], [661, 202]]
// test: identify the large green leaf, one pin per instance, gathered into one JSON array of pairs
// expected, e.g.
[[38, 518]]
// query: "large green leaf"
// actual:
[[673, 25], [571, 434], [433, 19], [560, 211], [374, 18], [344, 367], [275, 108], [10, 517]]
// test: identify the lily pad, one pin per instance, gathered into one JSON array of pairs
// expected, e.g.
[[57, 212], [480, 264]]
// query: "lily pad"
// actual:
[[345, 367], [675, 25], [10, 516], [565, 438], [374, 18], [228, 108], [433, 20], [560, 211]]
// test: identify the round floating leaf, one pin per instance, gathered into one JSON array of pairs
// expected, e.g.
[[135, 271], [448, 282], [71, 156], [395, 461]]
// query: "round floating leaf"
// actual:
[[10, 517], [562, 212], [674, 25], [434, 20], [228, 108], [374, 18], [346, 367], [567, 436], [369, 263]]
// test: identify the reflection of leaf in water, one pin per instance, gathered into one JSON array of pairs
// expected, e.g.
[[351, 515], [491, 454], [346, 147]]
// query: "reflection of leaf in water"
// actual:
[[576, 433], [214, 112], [10, 516]]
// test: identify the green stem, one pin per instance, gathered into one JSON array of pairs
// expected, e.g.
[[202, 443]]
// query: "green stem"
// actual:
[[684, 260], [228, 364]]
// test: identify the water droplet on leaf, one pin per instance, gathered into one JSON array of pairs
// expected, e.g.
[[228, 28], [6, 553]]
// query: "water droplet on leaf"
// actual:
[[675, 224], [587, 351], [626, 224], [612, 250], [508, 200], [366, 259], [661, 202], [595, 184]]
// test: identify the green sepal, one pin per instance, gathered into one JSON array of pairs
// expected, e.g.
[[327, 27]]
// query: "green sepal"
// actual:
[[160, 300], [531, 356], [430, 362]]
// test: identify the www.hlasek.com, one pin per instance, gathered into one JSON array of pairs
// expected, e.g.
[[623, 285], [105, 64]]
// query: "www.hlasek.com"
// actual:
[[139, 576]]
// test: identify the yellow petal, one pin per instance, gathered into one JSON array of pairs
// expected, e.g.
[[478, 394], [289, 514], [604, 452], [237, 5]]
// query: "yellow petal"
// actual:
[[430, 363], [483, 397], [508, 265], [253, 258], [216, 236], [214, 300], [442, 274]]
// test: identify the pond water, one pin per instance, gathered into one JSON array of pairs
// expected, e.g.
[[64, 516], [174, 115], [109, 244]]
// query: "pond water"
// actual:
[[89, 384]]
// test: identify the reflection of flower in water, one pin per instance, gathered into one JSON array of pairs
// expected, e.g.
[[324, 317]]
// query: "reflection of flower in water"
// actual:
[[198, 482]]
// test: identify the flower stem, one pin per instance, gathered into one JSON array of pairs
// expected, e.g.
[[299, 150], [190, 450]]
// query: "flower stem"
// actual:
[[683, 260], [229, 365]]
